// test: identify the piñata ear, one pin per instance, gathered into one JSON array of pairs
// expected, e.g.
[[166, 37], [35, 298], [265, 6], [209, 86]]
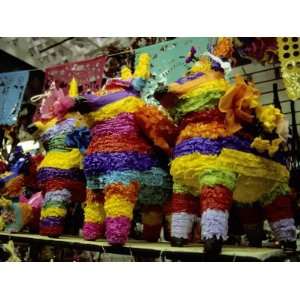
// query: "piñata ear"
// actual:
[[142, 69], [126, 73]]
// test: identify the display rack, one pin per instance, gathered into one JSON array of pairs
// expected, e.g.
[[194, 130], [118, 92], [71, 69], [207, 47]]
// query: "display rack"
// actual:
[[139, 248]]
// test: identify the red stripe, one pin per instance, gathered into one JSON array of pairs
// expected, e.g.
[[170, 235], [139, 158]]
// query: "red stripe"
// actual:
[[280, 208], [217, 197]]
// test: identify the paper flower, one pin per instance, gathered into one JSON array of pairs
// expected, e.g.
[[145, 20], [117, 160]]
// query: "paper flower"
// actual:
[[223, 48], [237, 104], [56, 104], [269, 116], [262, 145], [274, 146], [62, 105]]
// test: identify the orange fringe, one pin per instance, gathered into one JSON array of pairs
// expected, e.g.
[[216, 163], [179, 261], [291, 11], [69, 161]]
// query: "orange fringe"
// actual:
[[157, 127], [129, 192]]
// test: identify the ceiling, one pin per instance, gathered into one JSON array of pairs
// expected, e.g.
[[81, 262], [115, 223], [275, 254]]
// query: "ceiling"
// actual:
[[42, 52]]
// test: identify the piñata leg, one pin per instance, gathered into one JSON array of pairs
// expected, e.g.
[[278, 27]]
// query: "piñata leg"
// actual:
[[215, 203], [184, 213], [119, 202], [53, 212], [152, 217], [280, 216], [94, 215], [251, 217]]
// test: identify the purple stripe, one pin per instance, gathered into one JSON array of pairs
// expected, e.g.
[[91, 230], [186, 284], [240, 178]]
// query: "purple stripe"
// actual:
[[53, 173], [209, 146], [284, 230], [99, 101], [214, 147], [98, 163], [183, 80], [51, 221], [124, 123]]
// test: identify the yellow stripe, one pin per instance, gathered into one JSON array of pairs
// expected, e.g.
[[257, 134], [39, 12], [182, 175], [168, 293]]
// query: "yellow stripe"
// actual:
[[53, 212], [94, 212], [128, 104], [257, 175], [80, 122], [62, 160], [116, 206], [219, 85]]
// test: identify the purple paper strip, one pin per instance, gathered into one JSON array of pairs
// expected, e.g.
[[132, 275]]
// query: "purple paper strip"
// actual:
[[51, 221], [209, 146], [214, 147], [284, 230], [98, 163], [124, 123], [99, 101], [53, 173], [183, 80]]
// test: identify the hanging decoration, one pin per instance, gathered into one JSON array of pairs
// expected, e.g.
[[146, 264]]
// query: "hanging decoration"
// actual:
[[289, 55], [167, 57], [88, 74], [258, 49], [12, 88]]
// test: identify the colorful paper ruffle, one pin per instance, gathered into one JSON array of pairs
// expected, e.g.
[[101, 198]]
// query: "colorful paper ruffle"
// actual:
[[61, 128], [97, 102], [279, 190], [123, 124], [214, 223], [211, 130], [213, 177], [202, 102], [157, 126], [217, 197], [205, 116], [93, 231], [182, 224], [284, 230], [280, 208], [117, 230], [209, 146], [76, 188], [98, 163], [128, 104], [94, 212], [62, 160], [118, 143], [189, 168], [184, 203], [51, 173]]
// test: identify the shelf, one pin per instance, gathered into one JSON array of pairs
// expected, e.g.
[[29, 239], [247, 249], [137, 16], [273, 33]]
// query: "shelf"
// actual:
[[139, 248]]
